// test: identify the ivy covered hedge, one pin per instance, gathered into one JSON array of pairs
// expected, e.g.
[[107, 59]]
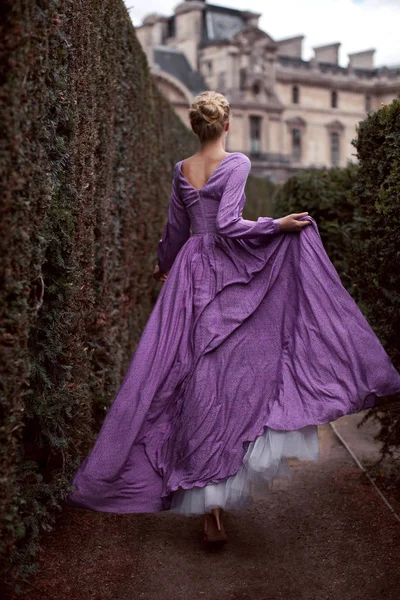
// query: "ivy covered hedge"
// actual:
[[87, 150]]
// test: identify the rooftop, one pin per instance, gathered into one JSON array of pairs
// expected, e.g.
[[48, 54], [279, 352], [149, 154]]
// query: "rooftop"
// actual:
[[175, 63]]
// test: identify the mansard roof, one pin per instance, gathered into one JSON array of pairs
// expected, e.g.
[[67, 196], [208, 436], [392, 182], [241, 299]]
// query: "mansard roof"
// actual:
[[175, 63], [221, 23]]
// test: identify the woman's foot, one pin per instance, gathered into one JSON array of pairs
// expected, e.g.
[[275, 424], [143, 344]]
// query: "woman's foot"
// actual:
[[217, 513], [214, 530]]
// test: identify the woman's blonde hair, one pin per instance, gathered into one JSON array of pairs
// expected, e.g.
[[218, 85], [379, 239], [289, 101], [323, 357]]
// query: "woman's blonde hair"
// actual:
[[208, 114]]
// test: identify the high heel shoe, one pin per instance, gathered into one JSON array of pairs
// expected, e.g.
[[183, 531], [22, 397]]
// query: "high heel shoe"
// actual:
[[212, 533]]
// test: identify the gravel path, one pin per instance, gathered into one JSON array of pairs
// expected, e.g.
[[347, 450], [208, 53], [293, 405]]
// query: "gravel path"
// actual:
[[323, 535]]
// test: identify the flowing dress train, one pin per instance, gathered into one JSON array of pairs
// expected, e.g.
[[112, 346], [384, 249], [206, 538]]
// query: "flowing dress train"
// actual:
[[252, 343]]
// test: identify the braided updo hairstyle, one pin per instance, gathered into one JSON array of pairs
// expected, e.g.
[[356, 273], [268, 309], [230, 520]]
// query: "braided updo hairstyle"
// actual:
[[208, 115]]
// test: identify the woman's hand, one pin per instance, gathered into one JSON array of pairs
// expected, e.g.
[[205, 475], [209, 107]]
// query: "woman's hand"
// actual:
[[292, 222], [157, 273]]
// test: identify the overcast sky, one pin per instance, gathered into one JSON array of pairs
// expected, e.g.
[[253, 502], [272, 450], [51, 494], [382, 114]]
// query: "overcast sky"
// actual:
[[357, 24]]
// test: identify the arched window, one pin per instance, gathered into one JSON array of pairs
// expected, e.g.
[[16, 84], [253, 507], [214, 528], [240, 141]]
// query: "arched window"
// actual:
[[367, 103], [334, 99], [296, 144], [295, 94], [335, 148]]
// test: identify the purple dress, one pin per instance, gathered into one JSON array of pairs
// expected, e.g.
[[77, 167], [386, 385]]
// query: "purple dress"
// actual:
[[252, 342]]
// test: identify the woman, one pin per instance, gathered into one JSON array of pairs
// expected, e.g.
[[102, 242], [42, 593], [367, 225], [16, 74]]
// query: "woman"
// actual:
[[252, 343]]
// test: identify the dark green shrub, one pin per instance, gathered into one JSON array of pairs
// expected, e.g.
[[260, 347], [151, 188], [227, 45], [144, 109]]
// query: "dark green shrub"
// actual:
[[87, 148], [326, 195], [260, 195]]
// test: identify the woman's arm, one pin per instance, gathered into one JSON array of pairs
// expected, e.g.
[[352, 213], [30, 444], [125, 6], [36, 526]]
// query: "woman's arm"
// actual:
[[229, 218], [176, 230]]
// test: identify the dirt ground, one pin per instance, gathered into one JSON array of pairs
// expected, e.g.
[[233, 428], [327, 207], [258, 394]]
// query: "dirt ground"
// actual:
[[325, 534]]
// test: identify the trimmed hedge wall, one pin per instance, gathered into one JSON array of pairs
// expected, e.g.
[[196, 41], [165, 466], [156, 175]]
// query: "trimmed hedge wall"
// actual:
[[87, 150], [326, 195], [375, 258], [260, 197]]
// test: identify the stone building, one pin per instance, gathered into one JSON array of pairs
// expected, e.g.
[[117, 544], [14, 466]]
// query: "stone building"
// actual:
[[287, 113]]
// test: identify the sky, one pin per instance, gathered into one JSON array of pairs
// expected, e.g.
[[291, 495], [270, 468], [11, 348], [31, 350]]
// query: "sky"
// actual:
[[357, 24]]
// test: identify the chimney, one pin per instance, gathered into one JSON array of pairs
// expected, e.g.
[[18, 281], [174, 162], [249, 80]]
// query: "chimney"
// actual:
[[292, 46], [251, 17], [327, 54], [362, 60]]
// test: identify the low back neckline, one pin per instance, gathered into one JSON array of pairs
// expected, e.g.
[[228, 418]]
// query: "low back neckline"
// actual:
[[212, 174]]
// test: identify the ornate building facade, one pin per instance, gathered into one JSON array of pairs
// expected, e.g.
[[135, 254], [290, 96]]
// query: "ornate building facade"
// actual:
[[287, 113]]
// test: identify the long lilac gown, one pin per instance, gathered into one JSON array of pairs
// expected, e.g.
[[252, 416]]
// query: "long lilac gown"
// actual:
[[252, 342]]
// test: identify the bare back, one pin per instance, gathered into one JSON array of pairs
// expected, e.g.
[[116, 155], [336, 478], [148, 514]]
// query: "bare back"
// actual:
[[197, 169]]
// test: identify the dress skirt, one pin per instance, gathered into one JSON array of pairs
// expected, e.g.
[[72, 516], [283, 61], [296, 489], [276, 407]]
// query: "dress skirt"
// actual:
[[266, 459], [252, 343]]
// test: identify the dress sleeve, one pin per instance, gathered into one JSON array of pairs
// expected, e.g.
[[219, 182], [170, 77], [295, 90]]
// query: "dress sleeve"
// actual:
[[229, 220], [176, 230]]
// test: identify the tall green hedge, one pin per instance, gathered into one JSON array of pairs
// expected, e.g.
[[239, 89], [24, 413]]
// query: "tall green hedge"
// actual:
[[260, 197], [87, 148], [375, 256], [326, 195]]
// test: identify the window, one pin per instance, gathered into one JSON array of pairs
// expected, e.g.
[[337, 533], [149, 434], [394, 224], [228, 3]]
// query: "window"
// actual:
[[255, 133], [335, 148], [242, 78], [334, 99], [296, 145], [295, 94], [171, 27], [367, 103], [221, 81], [256, 88]]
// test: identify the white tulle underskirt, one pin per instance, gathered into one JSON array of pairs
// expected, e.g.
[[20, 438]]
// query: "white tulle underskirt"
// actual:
[[266, 458]]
